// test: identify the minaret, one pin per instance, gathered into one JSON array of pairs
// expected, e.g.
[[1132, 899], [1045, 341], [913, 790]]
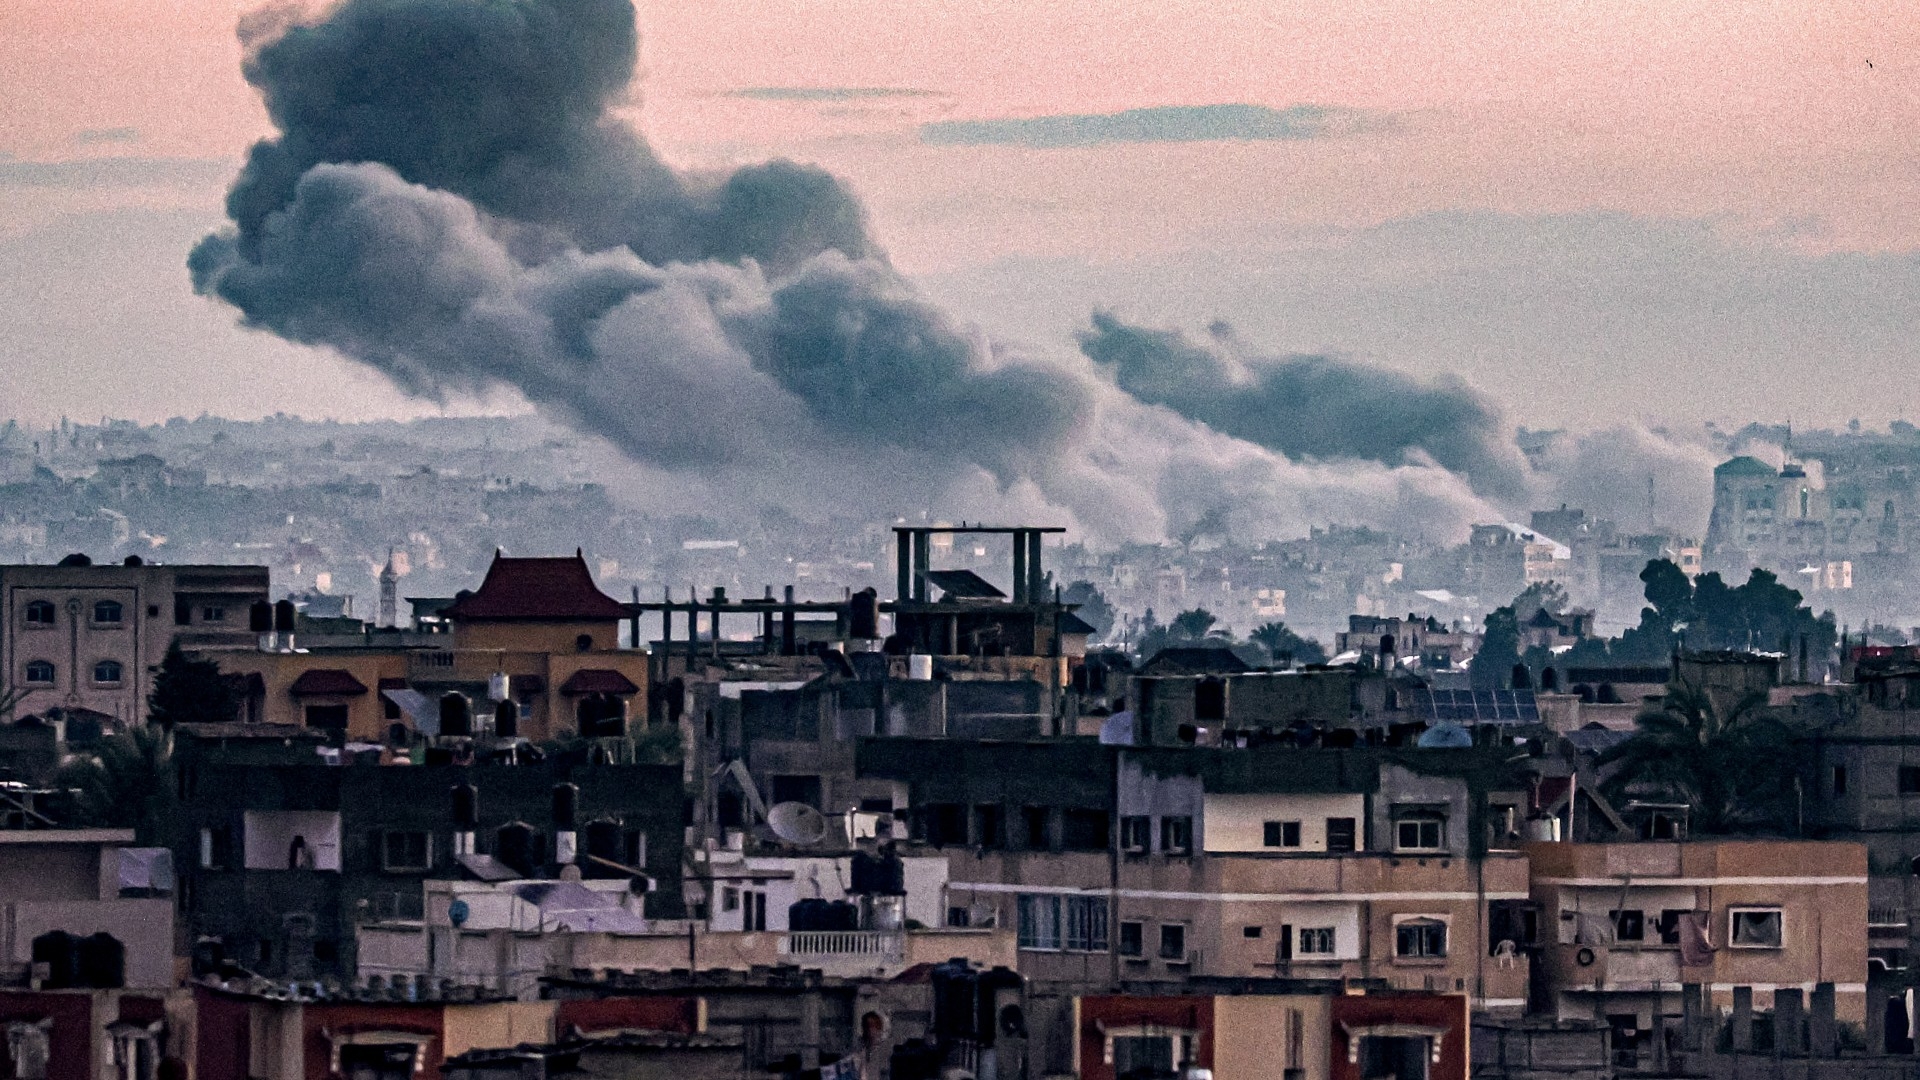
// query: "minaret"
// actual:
[[389, 594]]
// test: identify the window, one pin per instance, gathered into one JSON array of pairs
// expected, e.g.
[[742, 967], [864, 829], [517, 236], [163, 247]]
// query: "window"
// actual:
[[1133, 936], [134, 1055], [39, 671], [1280, 834], [1316, 941], [1136, 832], [1173, 942], [946, 823], [1251, 931], [1420, 832], [107, 613], [1085, 830], [213, 614], [1074, 923], [1910, 779], [1753, 928], [729, 898], [1629, 925], [1176, 835], [1039, 922], [1086, 923], [182, 611], [328, 717], [1839, 779], [405, 850], [989, 825], [1420, 938], [39, 613], [1342, 835], [106, 672], [1669, 925], [1034, 820]]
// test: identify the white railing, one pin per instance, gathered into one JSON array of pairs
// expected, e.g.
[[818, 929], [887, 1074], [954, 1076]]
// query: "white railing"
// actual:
[[1887, 917], [874, 943]]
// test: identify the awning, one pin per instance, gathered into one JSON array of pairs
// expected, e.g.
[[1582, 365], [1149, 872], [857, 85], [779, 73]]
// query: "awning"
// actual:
[[598, 681], [415, 707], [571, 906], [327, 682]]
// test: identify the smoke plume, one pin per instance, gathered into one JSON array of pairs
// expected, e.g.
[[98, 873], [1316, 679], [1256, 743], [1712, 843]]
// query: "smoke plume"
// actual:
[[450, 201], [1311, 407]]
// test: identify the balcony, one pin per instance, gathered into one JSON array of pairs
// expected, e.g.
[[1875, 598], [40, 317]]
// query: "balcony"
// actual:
[[1891, 920], [881, 946]]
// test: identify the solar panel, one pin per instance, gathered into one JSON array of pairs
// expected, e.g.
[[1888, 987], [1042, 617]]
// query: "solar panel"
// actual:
[[1478, 706]]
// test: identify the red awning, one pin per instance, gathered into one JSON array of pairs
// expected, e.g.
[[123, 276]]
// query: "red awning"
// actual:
[[598, 681], [328, 682]]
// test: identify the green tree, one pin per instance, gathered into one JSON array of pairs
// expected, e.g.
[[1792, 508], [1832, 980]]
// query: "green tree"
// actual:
[[1280, 640], [1736, 771], [125, 782], [1546, 596], [190, 691], [1492, 666], [1196, 625]]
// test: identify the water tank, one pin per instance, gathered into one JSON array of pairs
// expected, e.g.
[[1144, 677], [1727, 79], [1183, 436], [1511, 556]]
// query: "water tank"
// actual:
[[878, 875], [506, 720], [863, 615], [283, 617], [566, 805], [260, 617], [59, 951], [516, 845], [841, 915], [499, 686], [806, 916], [466, 807], [455, 717], [956, 998], [102, 961]]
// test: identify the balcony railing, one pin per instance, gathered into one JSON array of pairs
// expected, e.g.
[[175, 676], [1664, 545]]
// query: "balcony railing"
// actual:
[[1887, 918], [879, 944]]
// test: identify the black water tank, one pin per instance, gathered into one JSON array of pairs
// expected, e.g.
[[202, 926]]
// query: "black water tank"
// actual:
[[1550, 681], [283, 616], [455, 718], [60, 951], [863, 615], [1522, 678], [506, 720], [515, 845], [841, 915], [260, 617], [78, 558], [466, 807], [103, 961], [1000, 992], [566, 806], [807, 916]]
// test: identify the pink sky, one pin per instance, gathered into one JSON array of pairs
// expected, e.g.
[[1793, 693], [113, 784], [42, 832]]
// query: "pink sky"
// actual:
[[1763, 120]]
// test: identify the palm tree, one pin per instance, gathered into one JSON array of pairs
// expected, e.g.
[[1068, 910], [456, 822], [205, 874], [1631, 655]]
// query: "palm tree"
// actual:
[[1196, 625], [1737, 771], [1279, 639], [126, 782]]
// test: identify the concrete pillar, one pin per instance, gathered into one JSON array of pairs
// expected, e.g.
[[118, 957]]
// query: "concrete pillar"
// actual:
[[1036, 577], [1789, 1023], [1822, 1036], [1020, 568], [810, 1029], [903, 565], [1743, 1019], [1693, 1020]]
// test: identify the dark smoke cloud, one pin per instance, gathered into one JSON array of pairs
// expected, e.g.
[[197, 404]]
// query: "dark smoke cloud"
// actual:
[[450, 202], [1311, 407]]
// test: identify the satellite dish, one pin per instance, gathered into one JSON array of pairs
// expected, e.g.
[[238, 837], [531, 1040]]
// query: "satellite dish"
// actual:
[[797, 823], [457, 912], [1445, 735]]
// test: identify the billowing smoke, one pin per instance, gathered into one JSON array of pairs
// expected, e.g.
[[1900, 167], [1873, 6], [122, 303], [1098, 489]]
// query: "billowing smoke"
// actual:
[[1646, 480], [1311, 407], [450, 201]]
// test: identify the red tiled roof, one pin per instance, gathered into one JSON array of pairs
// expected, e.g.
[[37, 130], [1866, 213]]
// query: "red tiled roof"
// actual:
[[328, 681], [537, 589], [598, 681]]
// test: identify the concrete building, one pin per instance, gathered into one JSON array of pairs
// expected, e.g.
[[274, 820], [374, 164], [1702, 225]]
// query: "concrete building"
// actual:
[[86, 639], [1644, 936]]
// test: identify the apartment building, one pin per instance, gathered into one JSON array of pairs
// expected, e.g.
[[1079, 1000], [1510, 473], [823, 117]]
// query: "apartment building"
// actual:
[[1644, 936], [1399, 868], [85, 639]]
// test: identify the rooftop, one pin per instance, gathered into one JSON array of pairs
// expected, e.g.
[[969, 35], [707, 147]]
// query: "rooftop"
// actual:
[[537, 590]]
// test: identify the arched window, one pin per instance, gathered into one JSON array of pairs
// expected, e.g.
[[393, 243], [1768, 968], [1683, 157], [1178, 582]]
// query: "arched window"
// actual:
[[106, 671], [107, 612], [39, 671], [40, 613]]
